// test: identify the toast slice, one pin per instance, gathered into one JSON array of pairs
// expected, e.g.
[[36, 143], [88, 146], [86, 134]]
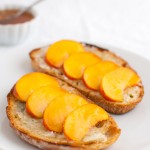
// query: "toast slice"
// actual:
[[32, 130], [132, 95]]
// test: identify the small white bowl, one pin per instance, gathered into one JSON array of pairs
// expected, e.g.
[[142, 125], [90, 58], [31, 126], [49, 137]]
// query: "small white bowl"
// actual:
[[11, 34]]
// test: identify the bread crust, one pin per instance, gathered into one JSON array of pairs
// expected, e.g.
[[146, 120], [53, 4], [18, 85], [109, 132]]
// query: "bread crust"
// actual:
[[24, 125], [39, 64]]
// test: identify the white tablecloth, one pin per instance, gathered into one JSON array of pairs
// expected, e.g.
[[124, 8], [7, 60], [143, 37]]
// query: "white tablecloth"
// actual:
[[123, 24]]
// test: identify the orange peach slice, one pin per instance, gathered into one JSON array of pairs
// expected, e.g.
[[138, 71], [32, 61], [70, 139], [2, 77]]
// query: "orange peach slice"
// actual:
[[58, 52], [82, 119], [93, 74], [75, 65], [30, 82], [40, 98], [114, 83], [58, 110]]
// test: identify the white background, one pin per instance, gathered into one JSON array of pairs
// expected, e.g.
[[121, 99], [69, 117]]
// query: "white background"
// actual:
[[123, 24]]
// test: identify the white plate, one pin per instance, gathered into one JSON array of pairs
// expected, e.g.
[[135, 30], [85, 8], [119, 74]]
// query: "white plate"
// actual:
[[135, 125]]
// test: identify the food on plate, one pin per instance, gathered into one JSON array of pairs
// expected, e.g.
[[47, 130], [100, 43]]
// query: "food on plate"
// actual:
[[99, 130], [40, 98], [72, 70], [62, 50], [56, 112], [93, 74], [115, 83], [30, 82], [75, 65], [79, 121]]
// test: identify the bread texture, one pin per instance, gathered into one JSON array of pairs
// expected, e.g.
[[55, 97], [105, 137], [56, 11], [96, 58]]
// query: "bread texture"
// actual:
[[32, 130], [132, 95]]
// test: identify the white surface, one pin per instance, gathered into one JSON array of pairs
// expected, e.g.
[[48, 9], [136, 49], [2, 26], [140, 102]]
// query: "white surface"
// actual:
[[120, 23], [135, 125]]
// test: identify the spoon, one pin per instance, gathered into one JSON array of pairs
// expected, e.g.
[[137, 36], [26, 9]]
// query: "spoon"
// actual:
[[19, 13]]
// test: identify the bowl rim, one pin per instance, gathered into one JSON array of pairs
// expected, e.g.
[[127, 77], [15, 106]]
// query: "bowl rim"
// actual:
[[32, 11]]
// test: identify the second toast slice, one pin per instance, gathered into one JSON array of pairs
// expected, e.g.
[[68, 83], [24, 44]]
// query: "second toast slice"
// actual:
[[39, 64]]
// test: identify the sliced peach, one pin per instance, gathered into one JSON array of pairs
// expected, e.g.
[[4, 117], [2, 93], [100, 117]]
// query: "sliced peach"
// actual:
[[58, 52], [58, 110], [30, 82], [82, 119], [75, 65], [93, 74], [40, 98], [114, 83]]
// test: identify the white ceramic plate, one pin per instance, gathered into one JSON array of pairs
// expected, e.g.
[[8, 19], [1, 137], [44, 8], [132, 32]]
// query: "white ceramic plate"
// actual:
[[135, 125]]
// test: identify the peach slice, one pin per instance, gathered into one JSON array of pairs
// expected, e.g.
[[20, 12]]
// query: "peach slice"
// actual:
[[75, 65], [93, 74], [30, 82], [40, 98], [58, 110], [82, 119], [58, 52], [114, 83]]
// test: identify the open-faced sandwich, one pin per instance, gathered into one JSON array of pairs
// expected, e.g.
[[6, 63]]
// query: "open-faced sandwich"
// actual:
[[50, 114], [66, 108], [97, 73]]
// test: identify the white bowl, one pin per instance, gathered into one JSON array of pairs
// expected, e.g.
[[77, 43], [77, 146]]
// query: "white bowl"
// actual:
[[11, 34]]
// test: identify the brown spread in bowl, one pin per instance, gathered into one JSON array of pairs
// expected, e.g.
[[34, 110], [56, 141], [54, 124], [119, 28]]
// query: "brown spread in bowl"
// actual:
[[27, 16]]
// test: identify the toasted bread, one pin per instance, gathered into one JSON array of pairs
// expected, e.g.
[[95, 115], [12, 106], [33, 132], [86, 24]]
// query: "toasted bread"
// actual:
[[39, 64], [32, 130]]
